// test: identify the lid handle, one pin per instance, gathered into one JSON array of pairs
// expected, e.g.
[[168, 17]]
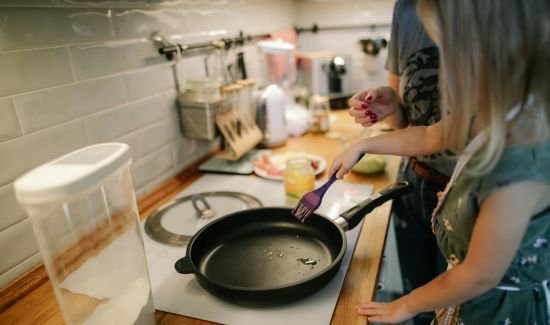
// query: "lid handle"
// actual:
[[204, 212]]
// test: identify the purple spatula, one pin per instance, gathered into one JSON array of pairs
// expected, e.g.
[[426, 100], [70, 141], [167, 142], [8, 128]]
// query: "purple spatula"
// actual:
[[311, 201]]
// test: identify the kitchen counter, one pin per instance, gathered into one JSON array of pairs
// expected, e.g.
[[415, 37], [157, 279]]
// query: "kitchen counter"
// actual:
[[40, 306]]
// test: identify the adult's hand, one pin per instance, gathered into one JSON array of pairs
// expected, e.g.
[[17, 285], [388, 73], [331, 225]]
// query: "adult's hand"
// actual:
[[372, 105]]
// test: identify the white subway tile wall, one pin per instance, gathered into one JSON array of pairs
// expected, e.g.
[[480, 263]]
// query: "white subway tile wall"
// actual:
[[42, 109], [8, 203], [58, 26], [154, 164], [149, 81], [78, 72], [25, 152], [9, 123], [28, 70], [156, 135], [20, 233]]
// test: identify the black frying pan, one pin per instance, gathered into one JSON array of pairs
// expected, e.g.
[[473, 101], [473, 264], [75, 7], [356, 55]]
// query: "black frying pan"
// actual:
[[265, 256]]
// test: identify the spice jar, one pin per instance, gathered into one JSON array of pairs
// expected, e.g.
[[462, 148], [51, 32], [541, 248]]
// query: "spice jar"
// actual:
[[299, 178], [319, 107]]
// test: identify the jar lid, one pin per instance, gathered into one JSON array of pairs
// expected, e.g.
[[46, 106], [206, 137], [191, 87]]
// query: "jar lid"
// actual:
[[203, 85], [175, 223], [230, 88], [71, 174], [319, 99], [246, 82], [299, 161]]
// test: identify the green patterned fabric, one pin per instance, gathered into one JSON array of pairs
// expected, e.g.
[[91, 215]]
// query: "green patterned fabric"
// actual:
[[522, 297]]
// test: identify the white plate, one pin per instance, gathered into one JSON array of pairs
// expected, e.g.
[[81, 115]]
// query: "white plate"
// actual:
[[279, 160]]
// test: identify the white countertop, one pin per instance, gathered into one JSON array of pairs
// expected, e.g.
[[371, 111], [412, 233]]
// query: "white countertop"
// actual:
[[181, 294]]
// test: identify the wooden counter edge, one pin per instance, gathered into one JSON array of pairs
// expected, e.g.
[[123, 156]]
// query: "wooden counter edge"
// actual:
[[362, 275], [361, 278]]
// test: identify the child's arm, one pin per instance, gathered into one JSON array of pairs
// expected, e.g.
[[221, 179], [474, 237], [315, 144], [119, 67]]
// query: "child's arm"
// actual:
[[412, 141], [497, 234]]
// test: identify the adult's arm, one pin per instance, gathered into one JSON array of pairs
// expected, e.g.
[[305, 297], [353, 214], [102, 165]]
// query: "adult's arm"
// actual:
[[397, 120]]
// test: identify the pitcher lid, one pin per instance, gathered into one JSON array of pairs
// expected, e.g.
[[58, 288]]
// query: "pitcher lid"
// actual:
[[71, 174]]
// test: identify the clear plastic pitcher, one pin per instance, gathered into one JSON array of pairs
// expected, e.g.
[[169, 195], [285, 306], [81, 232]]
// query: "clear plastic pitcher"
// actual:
[[84, 214]]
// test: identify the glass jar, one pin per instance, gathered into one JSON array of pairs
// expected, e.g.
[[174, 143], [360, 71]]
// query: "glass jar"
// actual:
[[319, 107], [299, 178], [204, 90]]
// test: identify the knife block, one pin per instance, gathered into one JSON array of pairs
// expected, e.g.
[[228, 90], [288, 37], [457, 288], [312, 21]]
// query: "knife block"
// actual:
[[237, 127]]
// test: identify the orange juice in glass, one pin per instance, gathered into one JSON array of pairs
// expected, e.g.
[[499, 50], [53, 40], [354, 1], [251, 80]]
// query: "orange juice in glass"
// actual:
[[299, 178]]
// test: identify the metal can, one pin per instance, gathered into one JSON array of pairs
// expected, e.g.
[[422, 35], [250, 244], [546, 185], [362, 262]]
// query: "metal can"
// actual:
[[299, 178]]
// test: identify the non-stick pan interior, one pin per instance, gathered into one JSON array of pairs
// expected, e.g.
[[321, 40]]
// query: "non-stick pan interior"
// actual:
[[262, 249]]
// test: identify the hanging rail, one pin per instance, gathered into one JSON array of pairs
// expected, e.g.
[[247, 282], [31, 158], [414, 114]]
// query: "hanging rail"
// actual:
[[315, 28], [169, 50]]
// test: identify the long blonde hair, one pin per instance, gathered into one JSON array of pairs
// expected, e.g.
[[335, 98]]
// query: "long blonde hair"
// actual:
[[495, 54]]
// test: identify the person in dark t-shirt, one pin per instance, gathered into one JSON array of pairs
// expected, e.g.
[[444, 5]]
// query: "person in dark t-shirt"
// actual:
[[411, 99]]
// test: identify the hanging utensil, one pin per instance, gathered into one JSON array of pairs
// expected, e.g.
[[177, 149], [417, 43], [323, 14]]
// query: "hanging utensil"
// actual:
[[241, 66]]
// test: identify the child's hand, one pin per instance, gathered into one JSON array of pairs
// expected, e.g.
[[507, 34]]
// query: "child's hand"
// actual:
[[372, 105], [344, 161], [393, 312]]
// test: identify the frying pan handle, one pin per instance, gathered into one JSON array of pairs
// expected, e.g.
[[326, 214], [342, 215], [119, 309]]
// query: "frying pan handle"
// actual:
[[184, 265], [354, 215]]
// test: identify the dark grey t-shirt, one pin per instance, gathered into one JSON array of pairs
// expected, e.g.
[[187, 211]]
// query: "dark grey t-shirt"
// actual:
[[413, 56]]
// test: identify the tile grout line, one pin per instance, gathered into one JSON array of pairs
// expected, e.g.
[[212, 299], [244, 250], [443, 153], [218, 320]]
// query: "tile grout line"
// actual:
[[76, 81], [86, 132], [19, 120], [71, 65], [125, 88], [90, 44], [165, 148], [17, 222]]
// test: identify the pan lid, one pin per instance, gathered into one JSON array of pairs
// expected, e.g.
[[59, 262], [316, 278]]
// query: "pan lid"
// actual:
[[175, 223]]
